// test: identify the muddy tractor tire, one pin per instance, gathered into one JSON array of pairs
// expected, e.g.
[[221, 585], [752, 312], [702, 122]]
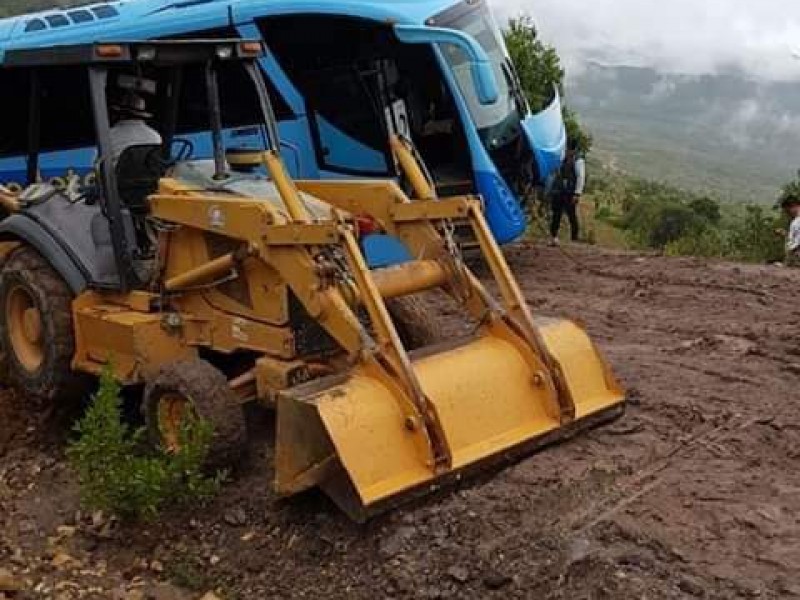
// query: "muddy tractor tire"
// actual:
[[415, 321], [37, 337], [194, 389]]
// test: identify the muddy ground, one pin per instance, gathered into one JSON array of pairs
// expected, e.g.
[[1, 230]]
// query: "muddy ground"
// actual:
[[695, 493]]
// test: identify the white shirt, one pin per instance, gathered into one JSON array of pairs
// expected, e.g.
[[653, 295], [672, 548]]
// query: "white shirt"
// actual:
[[793, 242], [131, 132]]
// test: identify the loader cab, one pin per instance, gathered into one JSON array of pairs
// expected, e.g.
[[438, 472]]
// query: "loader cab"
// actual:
[[193, 91]]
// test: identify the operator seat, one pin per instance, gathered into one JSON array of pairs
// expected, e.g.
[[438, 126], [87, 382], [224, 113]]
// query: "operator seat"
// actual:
[[138, 171]]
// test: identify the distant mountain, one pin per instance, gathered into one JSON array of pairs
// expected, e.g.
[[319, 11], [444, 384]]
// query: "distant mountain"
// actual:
[[728, 133]]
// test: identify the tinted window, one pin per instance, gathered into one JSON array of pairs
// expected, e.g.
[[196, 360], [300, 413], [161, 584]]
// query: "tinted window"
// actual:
[[282, 109], [104, 12], [35, 25], [333, 65], [238, 100], [14, 110], [80, 16], [57, 20]]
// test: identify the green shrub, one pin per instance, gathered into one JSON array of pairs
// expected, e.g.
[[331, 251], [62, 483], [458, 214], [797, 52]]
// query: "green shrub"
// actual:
[[119, 477], [603, 213], [657, 224], [706, 208], [754, 238], [707, 242]]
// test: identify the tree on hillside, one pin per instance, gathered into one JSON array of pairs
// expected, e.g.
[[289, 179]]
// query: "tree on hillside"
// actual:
[[539, 68], [791, 191]]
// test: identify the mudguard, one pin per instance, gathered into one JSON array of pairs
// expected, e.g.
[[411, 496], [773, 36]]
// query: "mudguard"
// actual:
[[22, 228]]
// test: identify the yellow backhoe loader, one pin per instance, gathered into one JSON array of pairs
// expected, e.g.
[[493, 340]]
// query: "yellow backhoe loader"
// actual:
[[220, 282]]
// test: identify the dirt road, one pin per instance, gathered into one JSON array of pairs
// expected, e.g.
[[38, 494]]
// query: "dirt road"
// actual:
[[695, 493]]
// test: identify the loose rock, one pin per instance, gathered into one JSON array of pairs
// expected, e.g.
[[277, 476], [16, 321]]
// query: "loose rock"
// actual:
[[8, 582]]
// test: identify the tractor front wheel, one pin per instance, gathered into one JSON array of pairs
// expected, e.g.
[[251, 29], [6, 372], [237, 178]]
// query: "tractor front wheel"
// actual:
[[187, 391], [37, 338]]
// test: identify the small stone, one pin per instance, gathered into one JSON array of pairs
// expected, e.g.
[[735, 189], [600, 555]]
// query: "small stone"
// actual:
[[66, 531], [157, 566], [691, 587], [459, 574], [210, 596], [396, 543], [9, 583], [236, 517], [579, 549], [61, 559], [496, 580], [27, 526], [98, 518], [214, 560]]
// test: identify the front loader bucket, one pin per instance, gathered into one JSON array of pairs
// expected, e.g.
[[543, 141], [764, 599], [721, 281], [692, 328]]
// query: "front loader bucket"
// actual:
[[356, 439]]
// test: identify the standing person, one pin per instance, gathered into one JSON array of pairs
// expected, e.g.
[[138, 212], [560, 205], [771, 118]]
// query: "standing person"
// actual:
[[792, 207], [566, 192]]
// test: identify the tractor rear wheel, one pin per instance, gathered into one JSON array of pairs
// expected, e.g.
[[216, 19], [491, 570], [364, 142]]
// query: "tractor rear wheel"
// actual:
[[191, 390], [37, 337], [415, 322]]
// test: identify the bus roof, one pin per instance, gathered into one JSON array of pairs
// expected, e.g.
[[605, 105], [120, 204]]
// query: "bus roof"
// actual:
[[126, 19]]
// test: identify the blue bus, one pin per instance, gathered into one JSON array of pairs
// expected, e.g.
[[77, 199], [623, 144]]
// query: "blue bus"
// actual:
[[344, 75]]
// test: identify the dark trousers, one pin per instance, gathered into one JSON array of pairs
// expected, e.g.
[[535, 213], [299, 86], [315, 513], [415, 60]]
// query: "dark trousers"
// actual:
[[565, 204]]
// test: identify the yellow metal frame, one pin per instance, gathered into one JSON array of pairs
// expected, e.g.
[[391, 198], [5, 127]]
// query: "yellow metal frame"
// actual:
[[372, 421]]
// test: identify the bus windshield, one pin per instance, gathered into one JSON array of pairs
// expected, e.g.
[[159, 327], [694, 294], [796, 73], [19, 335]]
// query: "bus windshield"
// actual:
[[497, 123]]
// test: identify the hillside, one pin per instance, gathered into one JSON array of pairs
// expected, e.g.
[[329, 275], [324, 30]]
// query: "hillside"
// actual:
[[691, 495], [727, 134]]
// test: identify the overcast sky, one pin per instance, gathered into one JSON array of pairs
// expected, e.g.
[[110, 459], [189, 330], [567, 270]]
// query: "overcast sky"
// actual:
[[694, 36]]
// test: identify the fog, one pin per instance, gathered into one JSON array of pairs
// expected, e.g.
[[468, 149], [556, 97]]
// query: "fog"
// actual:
[[761, 37]]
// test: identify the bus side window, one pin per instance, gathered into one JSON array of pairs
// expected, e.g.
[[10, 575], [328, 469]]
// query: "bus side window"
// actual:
[[35, 25], [57, 20], [104, 11], [80, 16]]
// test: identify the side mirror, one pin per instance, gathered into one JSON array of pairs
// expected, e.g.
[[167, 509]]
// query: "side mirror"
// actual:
[[483, 74]]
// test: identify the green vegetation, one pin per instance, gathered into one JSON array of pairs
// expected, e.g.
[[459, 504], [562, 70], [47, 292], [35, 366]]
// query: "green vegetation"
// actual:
[[657, 216], [539, 69], [791, 191], [118, 477]]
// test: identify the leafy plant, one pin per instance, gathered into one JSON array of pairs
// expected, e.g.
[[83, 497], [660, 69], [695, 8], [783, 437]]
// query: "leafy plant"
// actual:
[[117, 476], [754, 238], [707, 208], [791, 191], [708, 243]]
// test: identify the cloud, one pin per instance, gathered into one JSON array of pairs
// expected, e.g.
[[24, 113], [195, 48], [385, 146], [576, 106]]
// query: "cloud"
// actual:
[[687, 36]]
